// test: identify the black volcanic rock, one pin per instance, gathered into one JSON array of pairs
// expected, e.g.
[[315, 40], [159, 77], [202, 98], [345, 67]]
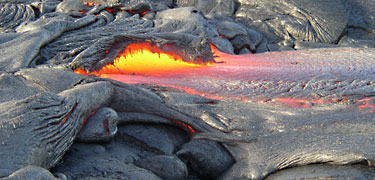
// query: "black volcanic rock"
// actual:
[[166, 167], [158, 138], [207, 159], [108, 161]]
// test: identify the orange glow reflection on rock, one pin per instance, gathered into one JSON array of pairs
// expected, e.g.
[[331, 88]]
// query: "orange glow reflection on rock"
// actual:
[[298, 103], [90, 4], [186, 126], [193, 91], [367, 104], [151, 65], [140, 13], [144, 59]]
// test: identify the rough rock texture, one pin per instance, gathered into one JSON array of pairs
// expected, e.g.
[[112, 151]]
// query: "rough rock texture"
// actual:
[[45, 125], [167, 167], [317, 21], [361, 14], [103, 162], [32, 37], [12, 15], [101, 42], [116, 159], [208, 159]]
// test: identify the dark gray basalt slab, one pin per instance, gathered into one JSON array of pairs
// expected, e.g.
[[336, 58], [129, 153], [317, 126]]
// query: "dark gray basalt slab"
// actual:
[[167, 167], [108, 161], [207, 159]]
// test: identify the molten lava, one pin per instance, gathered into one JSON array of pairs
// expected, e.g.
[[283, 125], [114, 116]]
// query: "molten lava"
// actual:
[[145, 59], [285, 78], [90, 4]]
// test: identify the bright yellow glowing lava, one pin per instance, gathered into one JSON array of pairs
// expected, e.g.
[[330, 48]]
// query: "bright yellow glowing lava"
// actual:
[[144, 59]]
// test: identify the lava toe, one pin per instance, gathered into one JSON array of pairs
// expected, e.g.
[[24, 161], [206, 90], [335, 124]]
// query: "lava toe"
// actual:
[[101, 126]]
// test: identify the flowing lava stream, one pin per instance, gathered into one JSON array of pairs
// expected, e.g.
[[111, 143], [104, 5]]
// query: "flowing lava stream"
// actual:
[[145, 60], [295, 79]]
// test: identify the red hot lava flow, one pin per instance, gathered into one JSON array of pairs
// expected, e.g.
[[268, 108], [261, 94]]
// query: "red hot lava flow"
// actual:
[[281, 77], [144, 59]]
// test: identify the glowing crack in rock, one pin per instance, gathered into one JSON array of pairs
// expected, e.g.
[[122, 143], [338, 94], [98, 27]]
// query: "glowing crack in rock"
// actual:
[[294, 78], [144, 59]]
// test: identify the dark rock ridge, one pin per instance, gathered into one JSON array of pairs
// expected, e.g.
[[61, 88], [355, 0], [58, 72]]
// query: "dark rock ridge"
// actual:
[[85, 127]]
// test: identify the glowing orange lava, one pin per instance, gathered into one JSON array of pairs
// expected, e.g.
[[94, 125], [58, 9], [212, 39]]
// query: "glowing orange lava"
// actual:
[[304, 103], [90, 4], [144, 59], [367, 104], [229, 78]]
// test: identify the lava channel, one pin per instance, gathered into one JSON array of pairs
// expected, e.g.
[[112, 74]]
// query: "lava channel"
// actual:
[[295, 78]]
